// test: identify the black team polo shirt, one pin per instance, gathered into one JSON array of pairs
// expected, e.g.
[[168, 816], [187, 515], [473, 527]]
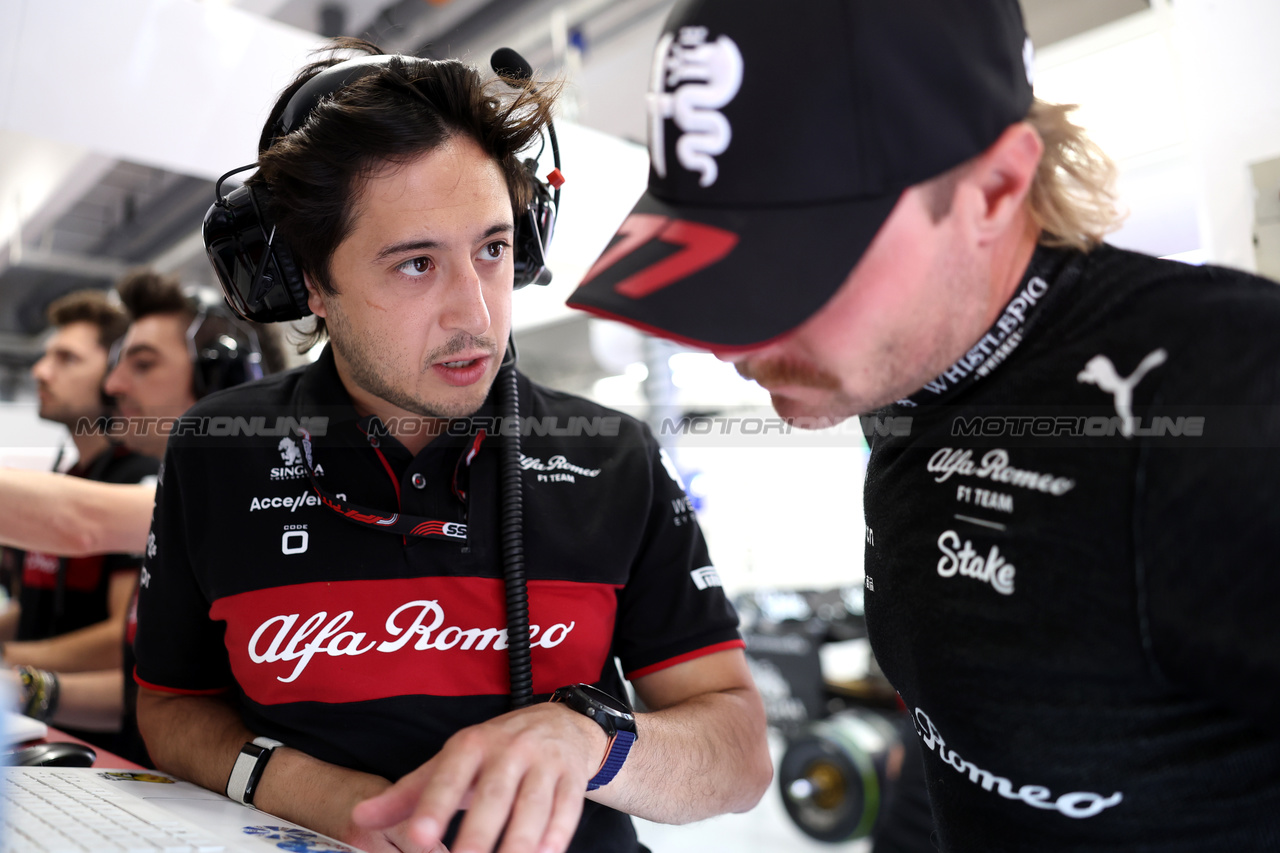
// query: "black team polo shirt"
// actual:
[[367, 649], [1072, 563]]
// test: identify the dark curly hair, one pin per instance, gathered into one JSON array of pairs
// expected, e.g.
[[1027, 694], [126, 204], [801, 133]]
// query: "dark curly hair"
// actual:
[[144, 291], [394, 114]]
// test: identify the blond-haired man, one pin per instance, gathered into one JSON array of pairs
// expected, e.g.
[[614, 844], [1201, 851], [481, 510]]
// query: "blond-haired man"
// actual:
[[1069, 550]]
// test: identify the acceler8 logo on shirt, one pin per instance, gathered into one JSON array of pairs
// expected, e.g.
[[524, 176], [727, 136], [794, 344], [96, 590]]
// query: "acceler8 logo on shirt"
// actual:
[[352, 641]]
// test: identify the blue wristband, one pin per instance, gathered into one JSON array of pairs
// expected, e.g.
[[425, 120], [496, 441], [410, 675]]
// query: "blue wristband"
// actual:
[[618, 750]]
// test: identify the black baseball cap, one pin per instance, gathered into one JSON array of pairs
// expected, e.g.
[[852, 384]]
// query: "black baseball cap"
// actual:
[[780, 138]]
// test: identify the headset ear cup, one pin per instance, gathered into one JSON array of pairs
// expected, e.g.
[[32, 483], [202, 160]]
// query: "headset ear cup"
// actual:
[[257, 271], [215, 368], [291, 277], [218, 366], [533, 235], [199, 378], [528, 261]]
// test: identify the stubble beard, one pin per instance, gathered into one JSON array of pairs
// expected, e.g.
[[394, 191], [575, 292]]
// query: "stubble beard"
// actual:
[[62, 413], [898, 367], [147, 441], [364, 369]]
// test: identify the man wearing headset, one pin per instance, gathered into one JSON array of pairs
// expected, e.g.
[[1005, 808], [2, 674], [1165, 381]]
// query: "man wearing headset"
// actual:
[[1070, 555], [172, 355], [333, 606], [169, 355], [69, 612], [177, 349]]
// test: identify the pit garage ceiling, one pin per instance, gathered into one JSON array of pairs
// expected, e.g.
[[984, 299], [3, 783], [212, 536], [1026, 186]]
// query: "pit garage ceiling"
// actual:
[[108, 156]]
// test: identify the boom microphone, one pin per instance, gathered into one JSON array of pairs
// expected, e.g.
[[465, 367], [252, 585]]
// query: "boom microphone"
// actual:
[[507, 63], [535, 225]]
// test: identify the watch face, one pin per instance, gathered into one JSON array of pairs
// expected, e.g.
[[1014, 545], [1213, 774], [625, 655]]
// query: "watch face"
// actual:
[[612, 705], [609, 713]]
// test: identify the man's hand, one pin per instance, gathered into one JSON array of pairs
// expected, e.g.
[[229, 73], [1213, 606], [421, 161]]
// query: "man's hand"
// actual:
[[520, 776], [340, 825], [199, 737]]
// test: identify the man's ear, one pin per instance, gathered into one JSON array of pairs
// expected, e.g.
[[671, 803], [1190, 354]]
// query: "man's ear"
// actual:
[[315, 299], [1002, 176]]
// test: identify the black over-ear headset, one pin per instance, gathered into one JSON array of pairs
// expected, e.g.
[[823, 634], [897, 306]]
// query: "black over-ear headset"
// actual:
[[224, 351], [257, 271]]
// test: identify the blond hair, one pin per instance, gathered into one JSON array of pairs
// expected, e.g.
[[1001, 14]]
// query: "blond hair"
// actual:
[[1073, 198]]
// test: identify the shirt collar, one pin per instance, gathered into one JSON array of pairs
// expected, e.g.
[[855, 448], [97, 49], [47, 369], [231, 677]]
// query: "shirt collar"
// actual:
[[1050, 273]]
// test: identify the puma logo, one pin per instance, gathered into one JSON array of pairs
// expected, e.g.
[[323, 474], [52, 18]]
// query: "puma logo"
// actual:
[[1101, 372]]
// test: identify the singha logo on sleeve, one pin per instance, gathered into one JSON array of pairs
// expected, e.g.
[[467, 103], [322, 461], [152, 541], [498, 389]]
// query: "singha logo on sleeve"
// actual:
[[291, 456], [289, 452]]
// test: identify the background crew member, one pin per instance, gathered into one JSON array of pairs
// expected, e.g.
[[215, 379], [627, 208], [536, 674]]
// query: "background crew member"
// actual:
[[160, 338], [69, 614], [179, 347], [370, 654], [158, 378], [1070, 565]]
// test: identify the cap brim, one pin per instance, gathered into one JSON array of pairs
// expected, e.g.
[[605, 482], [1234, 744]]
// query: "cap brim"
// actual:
[[728, 278]]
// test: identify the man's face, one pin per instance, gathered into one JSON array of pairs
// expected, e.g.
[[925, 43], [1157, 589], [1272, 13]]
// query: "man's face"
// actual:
[[424, 281], [69, 375], [152, 379], [906, 309]]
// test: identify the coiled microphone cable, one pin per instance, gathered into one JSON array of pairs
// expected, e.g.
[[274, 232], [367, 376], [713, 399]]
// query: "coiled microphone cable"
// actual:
[[519, 660]]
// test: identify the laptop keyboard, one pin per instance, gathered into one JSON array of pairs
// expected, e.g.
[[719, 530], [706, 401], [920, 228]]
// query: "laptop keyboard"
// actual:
[[58, 814]]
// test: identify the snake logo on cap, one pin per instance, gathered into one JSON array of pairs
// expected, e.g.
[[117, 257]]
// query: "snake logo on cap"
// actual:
[[703, 78]]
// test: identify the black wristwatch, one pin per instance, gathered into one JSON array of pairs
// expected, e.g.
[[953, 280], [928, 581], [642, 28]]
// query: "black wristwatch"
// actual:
[[612, 715]]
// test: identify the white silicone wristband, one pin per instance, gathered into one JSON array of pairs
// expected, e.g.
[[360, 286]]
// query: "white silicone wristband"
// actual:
[[248, 768]]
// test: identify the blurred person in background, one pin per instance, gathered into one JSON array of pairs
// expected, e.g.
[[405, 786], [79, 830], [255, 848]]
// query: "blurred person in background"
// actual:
[[68, 613], [169, 355]]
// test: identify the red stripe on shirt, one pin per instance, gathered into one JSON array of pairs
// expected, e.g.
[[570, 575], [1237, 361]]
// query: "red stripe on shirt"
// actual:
[[687, 656], [353, 641]]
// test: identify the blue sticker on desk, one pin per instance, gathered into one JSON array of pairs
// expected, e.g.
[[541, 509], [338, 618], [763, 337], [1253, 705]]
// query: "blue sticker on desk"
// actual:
[[128, 776], [297, 840]]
